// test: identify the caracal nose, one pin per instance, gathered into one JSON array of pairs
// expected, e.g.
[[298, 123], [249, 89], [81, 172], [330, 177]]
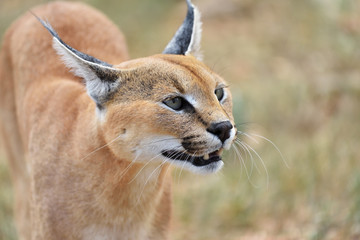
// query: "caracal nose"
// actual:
[[221, 130]]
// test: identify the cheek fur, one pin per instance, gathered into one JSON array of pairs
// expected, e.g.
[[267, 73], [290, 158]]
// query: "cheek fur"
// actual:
[[141, 119]]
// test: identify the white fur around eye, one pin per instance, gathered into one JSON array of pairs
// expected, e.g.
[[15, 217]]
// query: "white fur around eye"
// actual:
[[191, 100]]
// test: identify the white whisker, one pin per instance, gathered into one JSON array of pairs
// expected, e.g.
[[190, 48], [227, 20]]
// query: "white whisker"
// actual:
[[274, 145], [122, 174], [138, 173], [246, 171], [147, 180], [251, 156], [262, 162], [239, 157], [182, 167], [99, 148], [160, 140], [249, 136]]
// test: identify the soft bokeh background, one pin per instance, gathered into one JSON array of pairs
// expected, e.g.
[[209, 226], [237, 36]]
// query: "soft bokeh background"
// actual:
[[294, 70]]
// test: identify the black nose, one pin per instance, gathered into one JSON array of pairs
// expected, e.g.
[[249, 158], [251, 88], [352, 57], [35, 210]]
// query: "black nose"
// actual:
[[221, 130]]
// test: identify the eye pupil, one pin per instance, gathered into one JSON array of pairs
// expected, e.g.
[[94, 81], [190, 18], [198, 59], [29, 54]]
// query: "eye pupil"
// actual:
[[219, 93], [175, 103]]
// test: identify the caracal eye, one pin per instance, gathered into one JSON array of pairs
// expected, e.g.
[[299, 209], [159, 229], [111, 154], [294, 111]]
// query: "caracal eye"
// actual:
[[219, 93], [175, 103]]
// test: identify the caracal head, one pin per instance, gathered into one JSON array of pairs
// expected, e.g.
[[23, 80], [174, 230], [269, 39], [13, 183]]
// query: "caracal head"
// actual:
[[165, 108]]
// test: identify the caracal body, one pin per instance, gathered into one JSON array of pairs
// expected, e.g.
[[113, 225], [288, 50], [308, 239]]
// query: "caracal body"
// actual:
[[90, 152]]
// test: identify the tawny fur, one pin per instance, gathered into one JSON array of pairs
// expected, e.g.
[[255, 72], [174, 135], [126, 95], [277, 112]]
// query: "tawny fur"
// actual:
[[63, 189]]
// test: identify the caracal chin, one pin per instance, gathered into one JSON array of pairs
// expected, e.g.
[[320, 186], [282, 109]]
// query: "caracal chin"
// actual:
[[91, 135]]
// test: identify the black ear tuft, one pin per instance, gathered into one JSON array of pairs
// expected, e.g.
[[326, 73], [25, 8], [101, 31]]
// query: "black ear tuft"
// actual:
[[78, 53], [188, 36], [101, 79]]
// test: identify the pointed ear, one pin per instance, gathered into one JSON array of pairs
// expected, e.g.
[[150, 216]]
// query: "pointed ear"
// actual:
[[188, 37], [101, 78]]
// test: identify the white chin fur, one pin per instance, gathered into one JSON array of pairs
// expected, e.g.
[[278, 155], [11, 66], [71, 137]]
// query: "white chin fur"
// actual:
[[210, 168]]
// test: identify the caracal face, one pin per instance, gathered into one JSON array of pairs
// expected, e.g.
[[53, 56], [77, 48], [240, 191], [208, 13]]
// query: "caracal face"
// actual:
[[171, 109], [166, 108]]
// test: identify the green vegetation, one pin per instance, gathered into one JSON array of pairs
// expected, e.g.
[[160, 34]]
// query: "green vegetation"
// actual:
[[294, 70]]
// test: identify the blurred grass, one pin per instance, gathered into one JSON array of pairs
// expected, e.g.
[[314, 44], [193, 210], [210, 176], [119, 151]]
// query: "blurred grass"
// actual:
[[294, 70]]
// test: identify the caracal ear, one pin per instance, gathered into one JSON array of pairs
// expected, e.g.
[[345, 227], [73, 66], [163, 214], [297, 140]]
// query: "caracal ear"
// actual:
[[186, 40], [101, 78]]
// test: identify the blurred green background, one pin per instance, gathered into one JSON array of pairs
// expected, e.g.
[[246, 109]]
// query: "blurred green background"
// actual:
[[294, 70]]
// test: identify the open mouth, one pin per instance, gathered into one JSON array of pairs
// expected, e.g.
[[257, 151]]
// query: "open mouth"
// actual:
[[197, 161]]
